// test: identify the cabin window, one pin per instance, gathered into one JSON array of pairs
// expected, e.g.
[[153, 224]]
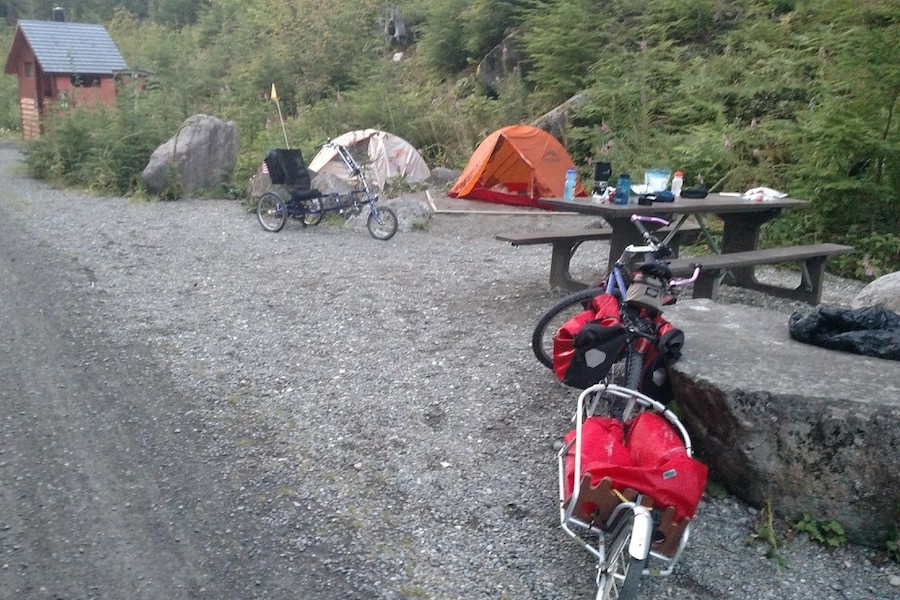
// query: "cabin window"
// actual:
[[29, 70], [85, 81]]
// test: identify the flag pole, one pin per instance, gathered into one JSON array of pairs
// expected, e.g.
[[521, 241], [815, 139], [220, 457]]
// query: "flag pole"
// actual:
[[274, 96]]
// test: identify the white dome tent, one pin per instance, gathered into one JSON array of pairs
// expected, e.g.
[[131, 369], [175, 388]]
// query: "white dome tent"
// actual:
[[385, 157]]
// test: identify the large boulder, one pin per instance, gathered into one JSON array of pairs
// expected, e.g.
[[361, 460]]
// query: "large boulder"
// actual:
[[443, 177], [556, 121], [803, 428], [260, 183], [412, 211], [501, 62], [329, 183], [884, 292], [201, 155]]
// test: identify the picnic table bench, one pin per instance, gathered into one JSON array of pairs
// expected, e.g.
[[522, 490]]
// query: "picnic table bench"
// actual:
[[812, 260], [566, 241]]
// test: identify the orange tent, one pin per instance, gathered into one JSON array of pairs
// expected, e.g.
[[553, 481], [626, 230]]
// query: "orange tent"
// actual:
[[516, 165]]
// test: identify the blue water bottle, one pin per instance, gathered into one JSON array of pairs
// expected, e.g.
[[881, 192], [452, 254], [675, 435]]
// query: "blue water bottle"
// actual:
[[569, 192], [623, 188]]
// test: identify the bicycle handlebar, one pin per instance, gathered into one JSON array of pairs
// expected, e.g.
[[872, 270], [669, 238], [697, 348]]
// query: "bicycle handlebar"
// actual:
[[638, 220], [691, 279]]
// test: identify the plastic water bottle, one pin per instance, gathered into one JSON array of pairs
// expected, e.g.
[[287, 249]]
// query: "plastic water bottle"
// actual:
[[623, 188], [569, 193], [677, 181]]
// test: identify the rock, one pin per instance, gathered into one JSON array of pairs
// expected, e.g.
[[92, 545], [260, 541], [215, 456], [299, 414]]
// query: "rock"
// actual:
[[260, 183], [884, 292], [395, 29], [556, 121], [203, 153], [328, 183], [501, 62], [441, 176], [412, 211], [808, 430]]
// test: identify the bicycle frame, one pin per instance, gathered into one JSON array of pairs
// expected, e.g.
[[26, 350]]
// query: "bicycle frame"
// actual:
[[616, 280], [357, 172]]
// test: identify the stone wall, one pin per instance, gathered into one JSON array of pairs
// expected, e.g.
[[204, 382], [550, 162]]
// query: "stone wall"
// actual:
[[807, 429]]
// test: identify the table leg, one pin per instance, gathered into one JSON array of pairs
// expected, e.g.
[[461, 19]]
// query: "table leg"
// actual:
[[623, 234], [740, 233]]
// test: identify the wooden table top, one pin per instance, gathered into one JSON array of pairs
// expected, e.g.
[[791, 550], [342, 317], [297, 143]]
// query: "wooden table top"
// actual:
[[713, 203]]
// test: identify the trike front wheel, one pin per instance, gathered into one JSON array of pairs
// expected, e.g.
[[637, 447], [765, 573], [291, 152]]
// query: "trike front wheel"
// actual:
[[382, 223], [271, 212]]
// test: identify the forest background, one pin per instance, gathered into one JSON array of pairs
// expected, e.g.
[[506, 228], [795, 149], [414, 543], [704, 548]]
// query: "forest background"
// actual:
[[798, 95]]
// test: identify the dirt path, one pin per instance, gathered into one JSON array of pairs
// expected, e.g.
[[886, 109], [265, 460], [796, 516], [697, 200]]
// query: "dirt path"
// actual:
[[107, 488]]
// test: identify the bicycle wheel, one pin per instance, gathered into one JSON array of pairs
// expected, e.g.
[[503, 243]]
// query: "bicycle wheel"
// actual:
[[313, 214], [382, 223], [271, 212], [634, 368], [622, 577], [627, 373], [553, 319]]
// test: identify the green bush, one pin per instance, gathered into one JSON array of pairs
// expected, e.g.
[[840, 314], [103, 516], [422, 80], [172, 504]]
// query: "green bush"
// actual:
[[99, 148], [799, 96], [827, 532]]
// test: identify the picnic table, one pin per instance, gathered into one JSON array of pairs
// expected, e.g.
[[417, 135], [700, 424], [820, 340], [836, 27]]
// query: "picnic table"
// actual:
[[739, 250]]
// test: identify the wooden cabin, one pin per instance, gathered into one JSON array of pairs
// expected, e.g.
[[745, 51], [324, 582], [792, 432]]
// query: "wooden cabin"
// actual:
[[70, 64]]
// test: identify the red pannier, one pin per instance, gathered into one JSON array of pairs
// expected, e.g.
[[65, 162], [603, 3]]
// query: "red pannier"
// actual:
[[583, 367], [587, 345], [652, 460]]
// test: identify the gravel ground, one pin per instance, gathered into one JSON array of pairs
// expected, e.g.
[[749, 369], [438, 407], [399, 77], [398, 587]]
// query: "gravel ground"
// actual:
[[385, 400]]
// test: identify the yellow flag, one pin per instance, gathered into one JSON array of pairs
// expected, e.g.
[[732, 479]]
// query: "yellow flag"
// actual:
[[274, 94]]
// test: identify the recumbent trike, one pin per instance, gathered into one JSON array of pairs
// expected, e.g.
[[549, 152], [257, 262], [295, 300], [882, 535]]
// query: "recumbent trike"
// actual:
[[308, 205]]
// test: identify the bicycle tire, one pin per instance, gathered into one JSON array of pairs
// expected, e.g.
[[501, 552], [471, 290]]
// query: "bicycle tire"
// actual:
[[622, 576], [542, 337], [634, 367], [271, 212], [382, 223]]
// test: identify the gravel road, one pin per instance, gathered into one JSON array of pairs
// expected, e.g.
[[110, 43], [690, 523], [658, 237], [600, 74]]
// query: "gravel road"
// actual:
[[194, 408]]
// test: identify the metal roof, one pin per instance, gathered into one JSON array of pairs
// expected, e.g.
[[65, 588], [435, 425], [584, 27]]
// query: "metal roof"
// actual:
[[72, 47]]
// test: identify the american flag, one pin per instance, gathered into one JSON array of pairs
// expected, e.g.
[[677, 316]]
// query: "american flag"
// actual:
[[265, 168]]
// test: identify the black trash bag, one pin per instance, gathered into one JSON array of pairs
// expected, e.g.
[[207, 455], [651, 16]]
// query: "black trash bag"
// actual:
[[872, 331]]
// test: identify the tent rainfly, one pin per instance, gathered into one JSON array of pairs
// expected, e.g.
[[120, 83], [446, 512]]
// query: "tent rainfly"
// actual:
[[386, 156], [516, 165]]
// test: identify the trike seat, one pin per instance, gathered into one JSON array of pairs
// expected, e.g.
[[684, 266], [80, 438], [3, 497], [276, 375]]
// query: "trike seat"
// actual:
[[286, 167]]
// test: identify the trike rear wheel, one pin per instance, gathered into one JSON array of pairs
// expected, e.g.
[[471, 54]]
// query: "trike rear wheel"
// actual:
[[553, 319], [382, 223], [313, 215], [271, 212]]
